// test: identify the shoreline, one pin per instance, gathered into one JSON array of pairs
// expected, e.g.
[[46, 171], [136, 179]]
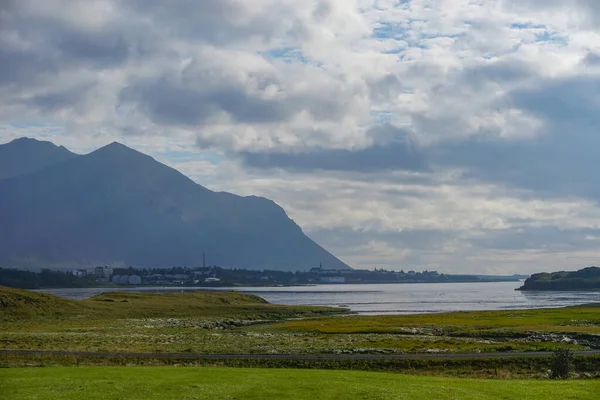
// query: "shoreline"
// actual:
[[378, 299]]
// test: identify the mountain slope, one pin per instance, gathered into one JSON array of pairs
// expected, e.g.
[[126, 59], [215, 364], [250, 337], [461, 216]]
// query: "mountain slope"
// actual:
[[23, 156], [119, 205]]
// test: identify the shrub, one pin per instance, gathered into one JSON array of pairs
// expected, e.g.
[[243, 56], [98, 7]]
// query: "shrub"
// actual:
[[562, 362]]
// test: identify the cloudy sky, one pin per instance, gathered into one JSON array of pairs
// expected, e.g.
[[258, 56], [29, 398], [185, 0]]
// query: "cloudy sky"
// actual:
[[455, 135]]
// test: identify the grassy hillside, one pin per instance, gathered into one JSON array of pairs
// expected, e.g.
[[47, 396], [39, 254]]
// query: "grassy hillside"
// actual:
[[584, 279], [245, 384], [26, 307], [18, 304]]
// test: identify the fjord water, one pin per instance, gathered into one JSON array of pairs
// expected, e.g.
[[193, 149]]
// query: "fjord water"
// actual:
[[390, 298]]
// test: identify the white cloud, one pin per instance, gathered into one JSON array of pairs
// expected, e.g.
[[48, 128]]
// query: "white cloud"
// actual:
[[486, 92]]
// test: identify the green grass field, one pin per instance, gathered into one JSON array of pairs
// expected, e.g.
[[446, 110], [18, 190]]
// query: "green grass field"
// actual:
[[147, 383]]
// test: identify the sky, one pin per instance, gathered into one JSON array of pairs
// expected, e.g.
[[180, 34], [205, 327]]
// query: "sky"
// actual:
[[451, 135]]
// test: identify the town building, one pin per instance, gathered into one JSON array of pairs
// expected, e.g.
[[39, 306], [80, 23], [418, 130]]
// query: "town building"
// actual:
[[103, 272], [333, 279]]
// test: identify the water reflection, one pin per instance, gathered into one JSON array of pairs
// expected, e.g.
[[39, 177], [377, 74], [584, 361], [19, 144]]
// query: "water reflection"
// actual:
[[391, 298]]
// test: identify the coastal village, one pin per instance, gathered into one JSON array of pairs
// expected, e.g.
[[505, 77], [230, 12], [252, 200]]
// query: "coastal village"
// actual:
[[218, 276]]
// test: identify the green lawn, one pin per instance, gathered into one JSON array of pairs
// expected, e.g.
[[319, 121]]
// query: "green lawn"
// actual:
[[230, 383]]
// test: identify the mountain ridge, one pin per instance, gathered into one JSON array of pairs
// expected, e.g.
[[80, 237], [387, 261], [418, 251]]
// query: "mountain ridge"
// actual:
[[26, 155], [118, 205]]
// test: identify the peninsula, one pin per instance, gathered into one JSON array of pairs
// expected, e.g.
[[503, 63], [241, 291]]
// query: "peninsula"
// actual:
[[584, 279]]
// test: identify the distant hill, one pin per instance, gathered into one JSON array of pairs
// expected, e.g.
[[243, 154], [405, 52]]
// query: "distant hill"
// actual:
[[19, 305], [116, 205], [584, 279], [23, 156], [216, 308], [16, 304]]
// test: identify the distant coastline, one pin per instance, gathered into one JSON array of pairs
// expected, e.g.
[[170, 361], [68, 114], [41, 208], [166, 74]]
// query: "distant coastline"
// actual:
[[223, 277], [584, 279]]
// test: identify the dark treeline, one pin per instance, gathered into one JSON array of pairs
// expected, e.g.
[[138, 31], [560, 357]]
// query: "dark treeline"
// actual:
[[44, 279], [584, 279]]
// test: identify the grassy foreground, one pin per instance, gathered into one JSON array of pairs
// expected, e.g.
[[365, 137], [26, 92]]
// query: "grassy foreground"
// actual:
[[231, 383]]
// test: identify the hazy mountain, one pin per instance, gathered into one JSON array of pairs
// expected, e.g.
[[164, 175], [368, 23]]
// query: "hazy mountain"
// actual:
[[24, 155], [119, 205]]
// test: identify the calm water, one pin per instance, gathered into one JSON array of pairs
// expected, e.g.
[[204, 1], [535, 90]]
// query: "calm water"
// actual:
[[392, 298]]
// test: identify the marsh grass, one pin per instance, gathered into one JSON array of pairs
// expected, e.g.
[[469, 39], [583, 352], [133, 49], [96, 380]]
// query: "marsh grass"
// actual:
[[579, 319], [236, 323]]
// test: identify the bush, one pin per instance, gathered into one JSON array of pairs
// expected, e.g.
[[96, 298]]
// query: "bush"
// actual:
[[562, 362]]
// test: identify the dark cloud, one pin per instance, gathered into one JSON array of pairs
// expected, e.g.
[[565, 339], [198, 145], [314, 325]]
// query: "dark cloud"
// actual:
[[169, 102], [201, 92], [214, 21], [100, 50], [35, 46], [23, 69], [501, 72], [552, 165], [54, 101], [7, 5], [376, 158], [592, 59], [588, 9], [394, 150], [385, 88], [561, 160], [573, 100]]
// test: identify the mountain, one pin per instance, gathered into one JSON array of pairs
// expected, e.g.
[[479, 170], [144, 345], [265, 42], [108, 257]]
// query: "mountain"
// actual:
[[23, 156], [116, 205]]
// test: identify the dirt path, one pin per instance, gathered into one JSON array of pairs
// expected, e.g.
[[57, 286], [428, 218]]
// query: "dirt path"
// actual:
[[198, 356]]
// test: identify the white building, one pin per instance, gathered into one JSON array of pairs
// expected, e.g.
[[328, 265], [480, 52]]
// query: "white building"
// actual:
[[333, 279]]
